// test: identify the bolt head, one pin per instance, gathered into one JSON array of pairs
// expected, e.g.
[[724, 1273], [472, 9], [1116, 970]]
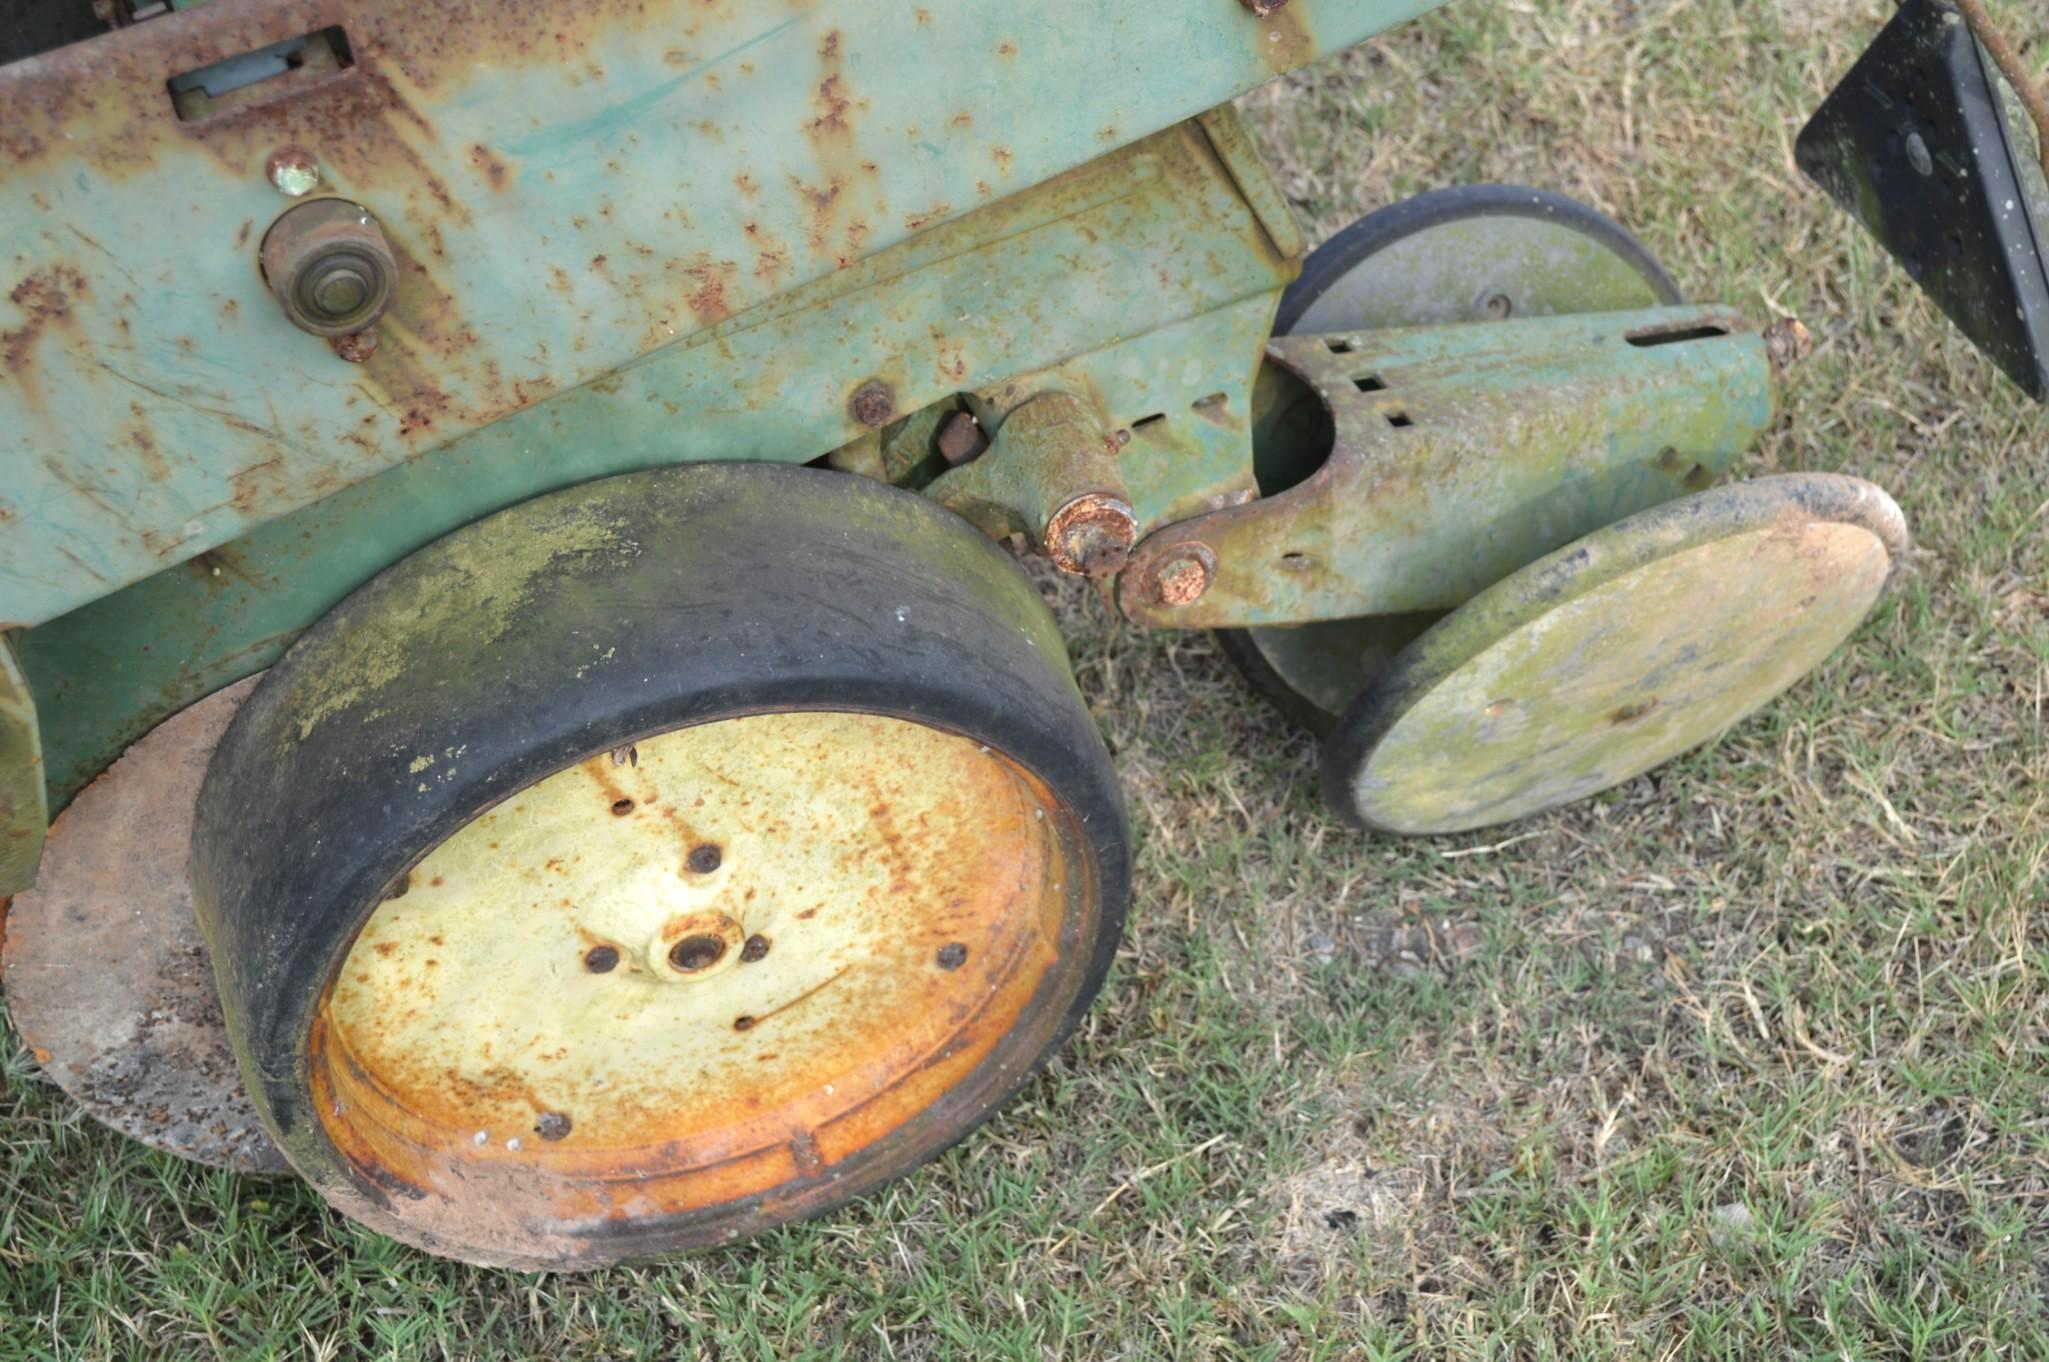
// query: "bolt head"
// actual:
[[873, 404], [1918, 155], [1184, 575], [294, 173]]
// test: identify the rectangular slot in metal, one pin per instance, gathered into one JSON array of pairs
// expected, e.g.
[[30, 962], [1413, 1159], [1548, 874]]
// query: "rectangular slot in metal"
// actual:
[[281, 68]]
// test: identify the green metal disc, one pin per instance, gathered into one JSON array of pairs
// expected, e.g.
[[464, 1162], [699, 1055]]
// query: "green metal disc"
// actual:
[[1470, 253], [1614, 654]]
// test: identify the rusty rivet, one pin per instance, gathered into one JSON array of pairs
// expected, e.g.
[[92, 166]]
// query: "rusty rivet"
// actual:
[[1092, 535], [601, 959], [873, 404], [1184, 574], [703, 859], [961, 439], [755, 949], [695, 953], [952, 955], [552, 1125], [293, 172]]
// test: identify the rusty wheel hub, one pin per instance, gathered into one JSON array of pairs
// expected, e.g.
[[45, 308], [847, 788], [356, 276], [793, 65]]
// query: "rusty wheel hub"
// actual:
[[563, 1006]]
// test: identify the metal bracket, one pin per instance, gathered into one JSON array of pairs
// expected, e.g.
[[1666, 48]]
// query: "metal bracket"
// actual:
[[1457, 454]]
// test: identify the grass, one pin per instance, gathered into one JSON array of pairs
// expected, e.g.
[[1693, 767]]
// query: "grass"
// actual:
[[1747, 1059]]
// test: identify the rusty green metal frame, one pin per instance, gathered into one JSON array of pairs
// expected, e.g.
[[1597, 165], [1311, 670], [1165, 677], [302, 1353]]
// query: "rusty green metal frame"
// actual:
[[569, 190], [776, 234], [1145, 281], [1459, 453]]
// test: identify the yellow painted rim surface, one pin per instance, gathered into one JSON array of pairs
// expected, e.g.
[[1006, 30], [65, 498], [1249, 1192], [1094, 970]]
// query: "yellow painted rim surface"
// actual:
[[1627, 675], [723, 961]]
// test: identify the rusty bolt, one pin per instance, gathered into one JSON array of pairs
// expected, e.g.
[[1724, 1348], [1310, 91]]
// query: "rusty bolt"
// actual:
[[1091, 535], [293, 172], [356, 348], [1261, 8], [755, 949], [1786, 343], [330, 267], [601, 959], [952, 955], [873, 404], [703, 859], [961, 439], [1181, 576]]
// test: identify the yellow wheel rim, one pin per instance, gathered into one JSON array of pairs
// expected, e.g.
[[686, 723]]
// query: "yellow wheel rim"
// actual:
[[727, 962]]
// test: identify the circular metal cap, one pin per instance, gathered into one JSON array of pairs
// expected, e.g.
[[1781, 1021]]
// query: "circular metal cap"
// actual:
[[330, 266], [1614, 654]]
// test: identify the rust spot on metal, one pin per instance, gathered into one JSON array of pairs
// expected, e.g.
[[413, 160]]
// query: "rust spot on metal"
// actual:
[[756, 948], [621, 807], [45, 299], [873, 404], [707, 297], [494, 169], [952, 955]]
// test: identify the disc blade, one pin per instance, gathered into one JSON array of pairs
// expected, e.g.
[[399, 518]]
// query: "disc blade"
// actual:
[[108, 978], [1614, 654]]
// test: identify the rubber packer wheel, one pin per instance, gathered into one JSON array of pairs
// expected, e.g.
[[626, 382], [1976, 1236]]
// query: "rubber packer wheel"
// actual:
[[1469, 253], [1614, 654], [656, 862]]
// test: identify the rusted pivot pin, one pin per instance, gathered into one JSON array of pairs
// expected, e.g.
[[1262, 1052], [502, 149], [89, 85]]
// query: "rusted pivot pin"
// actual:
[[1051, 473]]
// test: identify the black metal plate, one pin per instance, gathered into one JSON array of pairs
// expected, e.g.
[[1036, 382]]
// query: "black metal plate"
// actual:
[[1914, 144]]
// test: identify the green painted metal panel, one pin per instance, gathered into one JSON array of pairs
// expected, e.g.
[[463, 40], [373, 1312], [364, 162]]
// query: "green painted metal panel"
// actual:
[[568, 189], [1143, 280]]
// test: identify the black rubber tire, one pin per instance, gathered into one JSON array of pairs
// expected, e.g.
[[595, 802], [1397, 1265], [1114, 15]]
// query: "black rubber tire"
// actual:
[[1378, 230], [1345, 252], [689, 594]]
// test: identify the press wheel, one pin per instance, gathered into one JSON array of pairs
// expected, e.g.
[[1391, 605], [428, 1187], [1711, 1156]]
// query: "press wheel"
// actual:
[[1614, 654], [656, 862], [1470, 253]]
